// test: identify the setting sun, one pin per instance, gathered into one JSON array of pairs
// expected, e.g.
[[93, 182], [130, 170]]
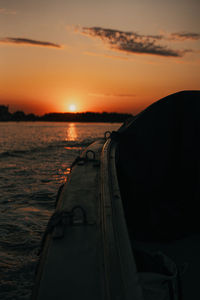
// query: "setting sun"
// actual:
[[72, 107], [95, 61]]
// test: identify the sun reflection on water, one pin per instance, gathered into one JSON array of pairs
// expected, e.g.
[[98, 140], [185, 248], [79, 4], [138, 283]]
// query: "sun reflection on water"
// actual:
[[71, 132]]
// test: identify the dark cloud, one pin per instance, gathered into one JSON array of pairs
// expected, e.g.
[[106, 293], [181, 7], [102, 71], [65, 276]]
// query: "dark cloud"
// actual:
[[131, 42], [182, 36], [30, 42]]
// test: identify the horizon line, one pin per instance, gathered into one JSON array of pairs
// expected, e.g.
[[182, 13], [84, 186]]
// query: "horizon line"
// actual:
[[65, 112]]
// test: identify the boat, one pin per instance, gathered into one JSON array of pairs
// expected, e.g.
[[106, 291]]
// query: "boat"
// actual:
[[126, 224]]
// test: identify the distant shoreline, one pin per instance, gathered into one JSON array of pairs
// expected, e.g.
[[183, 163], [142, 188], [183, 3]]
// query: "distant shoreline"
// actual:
[[40, 121], [86, 117]]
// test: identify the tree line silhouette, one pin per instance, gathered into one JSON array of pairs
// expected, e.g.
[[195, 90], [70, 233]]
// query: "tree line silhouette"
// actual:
[[17, 116]]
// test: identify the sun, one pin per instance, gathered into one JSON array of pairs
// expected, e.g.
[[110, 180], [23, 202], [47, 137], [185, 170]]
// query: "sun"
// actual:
[[72, 107]]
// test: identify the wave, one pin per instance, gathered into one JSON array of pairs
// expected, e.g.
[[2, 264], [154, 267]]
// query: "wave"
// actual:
[[55, 145]]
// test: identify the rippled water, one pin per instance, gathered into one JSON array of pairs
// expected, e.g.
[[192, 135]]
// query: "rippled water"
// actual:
[[34, 160]]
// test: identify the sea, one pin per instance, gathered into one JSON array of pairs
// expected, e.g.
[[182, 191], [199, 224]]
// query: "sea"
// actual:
[[35, 159]]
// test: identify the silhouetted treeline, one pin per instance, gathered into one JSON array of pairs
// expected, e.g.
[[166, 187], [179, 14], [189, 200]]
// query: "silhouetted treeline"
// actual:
[[5, 115]]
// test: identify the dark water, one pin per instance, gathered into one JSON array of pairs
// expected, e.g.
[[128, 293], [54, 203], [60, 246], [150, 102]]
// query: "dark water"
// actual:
[[34, 161]]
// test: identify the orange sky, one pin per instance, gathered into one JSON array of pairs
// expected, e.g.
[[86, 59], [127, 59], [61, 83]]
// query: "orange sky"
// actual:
[[108, 56]]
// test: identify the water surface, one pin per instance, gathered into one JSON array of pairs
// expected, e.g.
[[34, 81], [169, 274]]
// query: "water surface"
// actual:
[[34, 161]]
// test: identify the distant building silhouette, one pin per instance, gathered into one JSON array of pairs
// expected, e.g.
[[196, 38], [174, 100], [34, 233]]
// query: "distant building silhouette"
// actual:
[[4, 109], [4, 113]]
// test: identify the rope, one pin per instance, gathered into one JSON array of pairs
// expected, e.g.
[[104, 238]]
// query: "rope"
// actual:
[[59, 220]]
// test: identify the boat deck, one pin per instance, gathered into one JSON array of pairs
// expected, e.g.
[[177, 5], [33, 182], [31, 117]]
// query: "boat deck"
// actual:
[[184, 251]]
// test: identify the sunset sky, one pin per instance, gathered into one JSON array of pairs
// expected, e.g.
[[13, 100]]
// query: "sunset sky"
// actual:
[[106, 55]]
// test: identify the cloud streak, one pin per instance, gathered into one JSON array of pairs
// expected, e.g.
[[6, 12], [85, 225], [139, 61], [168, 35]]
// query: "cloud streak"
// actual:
[[4, 11], [105, 55], [112, 95], [132, 42], [28, 42], [183, 36]]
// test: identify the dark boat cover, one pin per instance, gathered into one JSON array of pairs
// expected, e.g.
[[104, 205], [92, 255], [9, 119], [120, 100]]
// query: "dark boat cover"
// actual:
[[159, 168]]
